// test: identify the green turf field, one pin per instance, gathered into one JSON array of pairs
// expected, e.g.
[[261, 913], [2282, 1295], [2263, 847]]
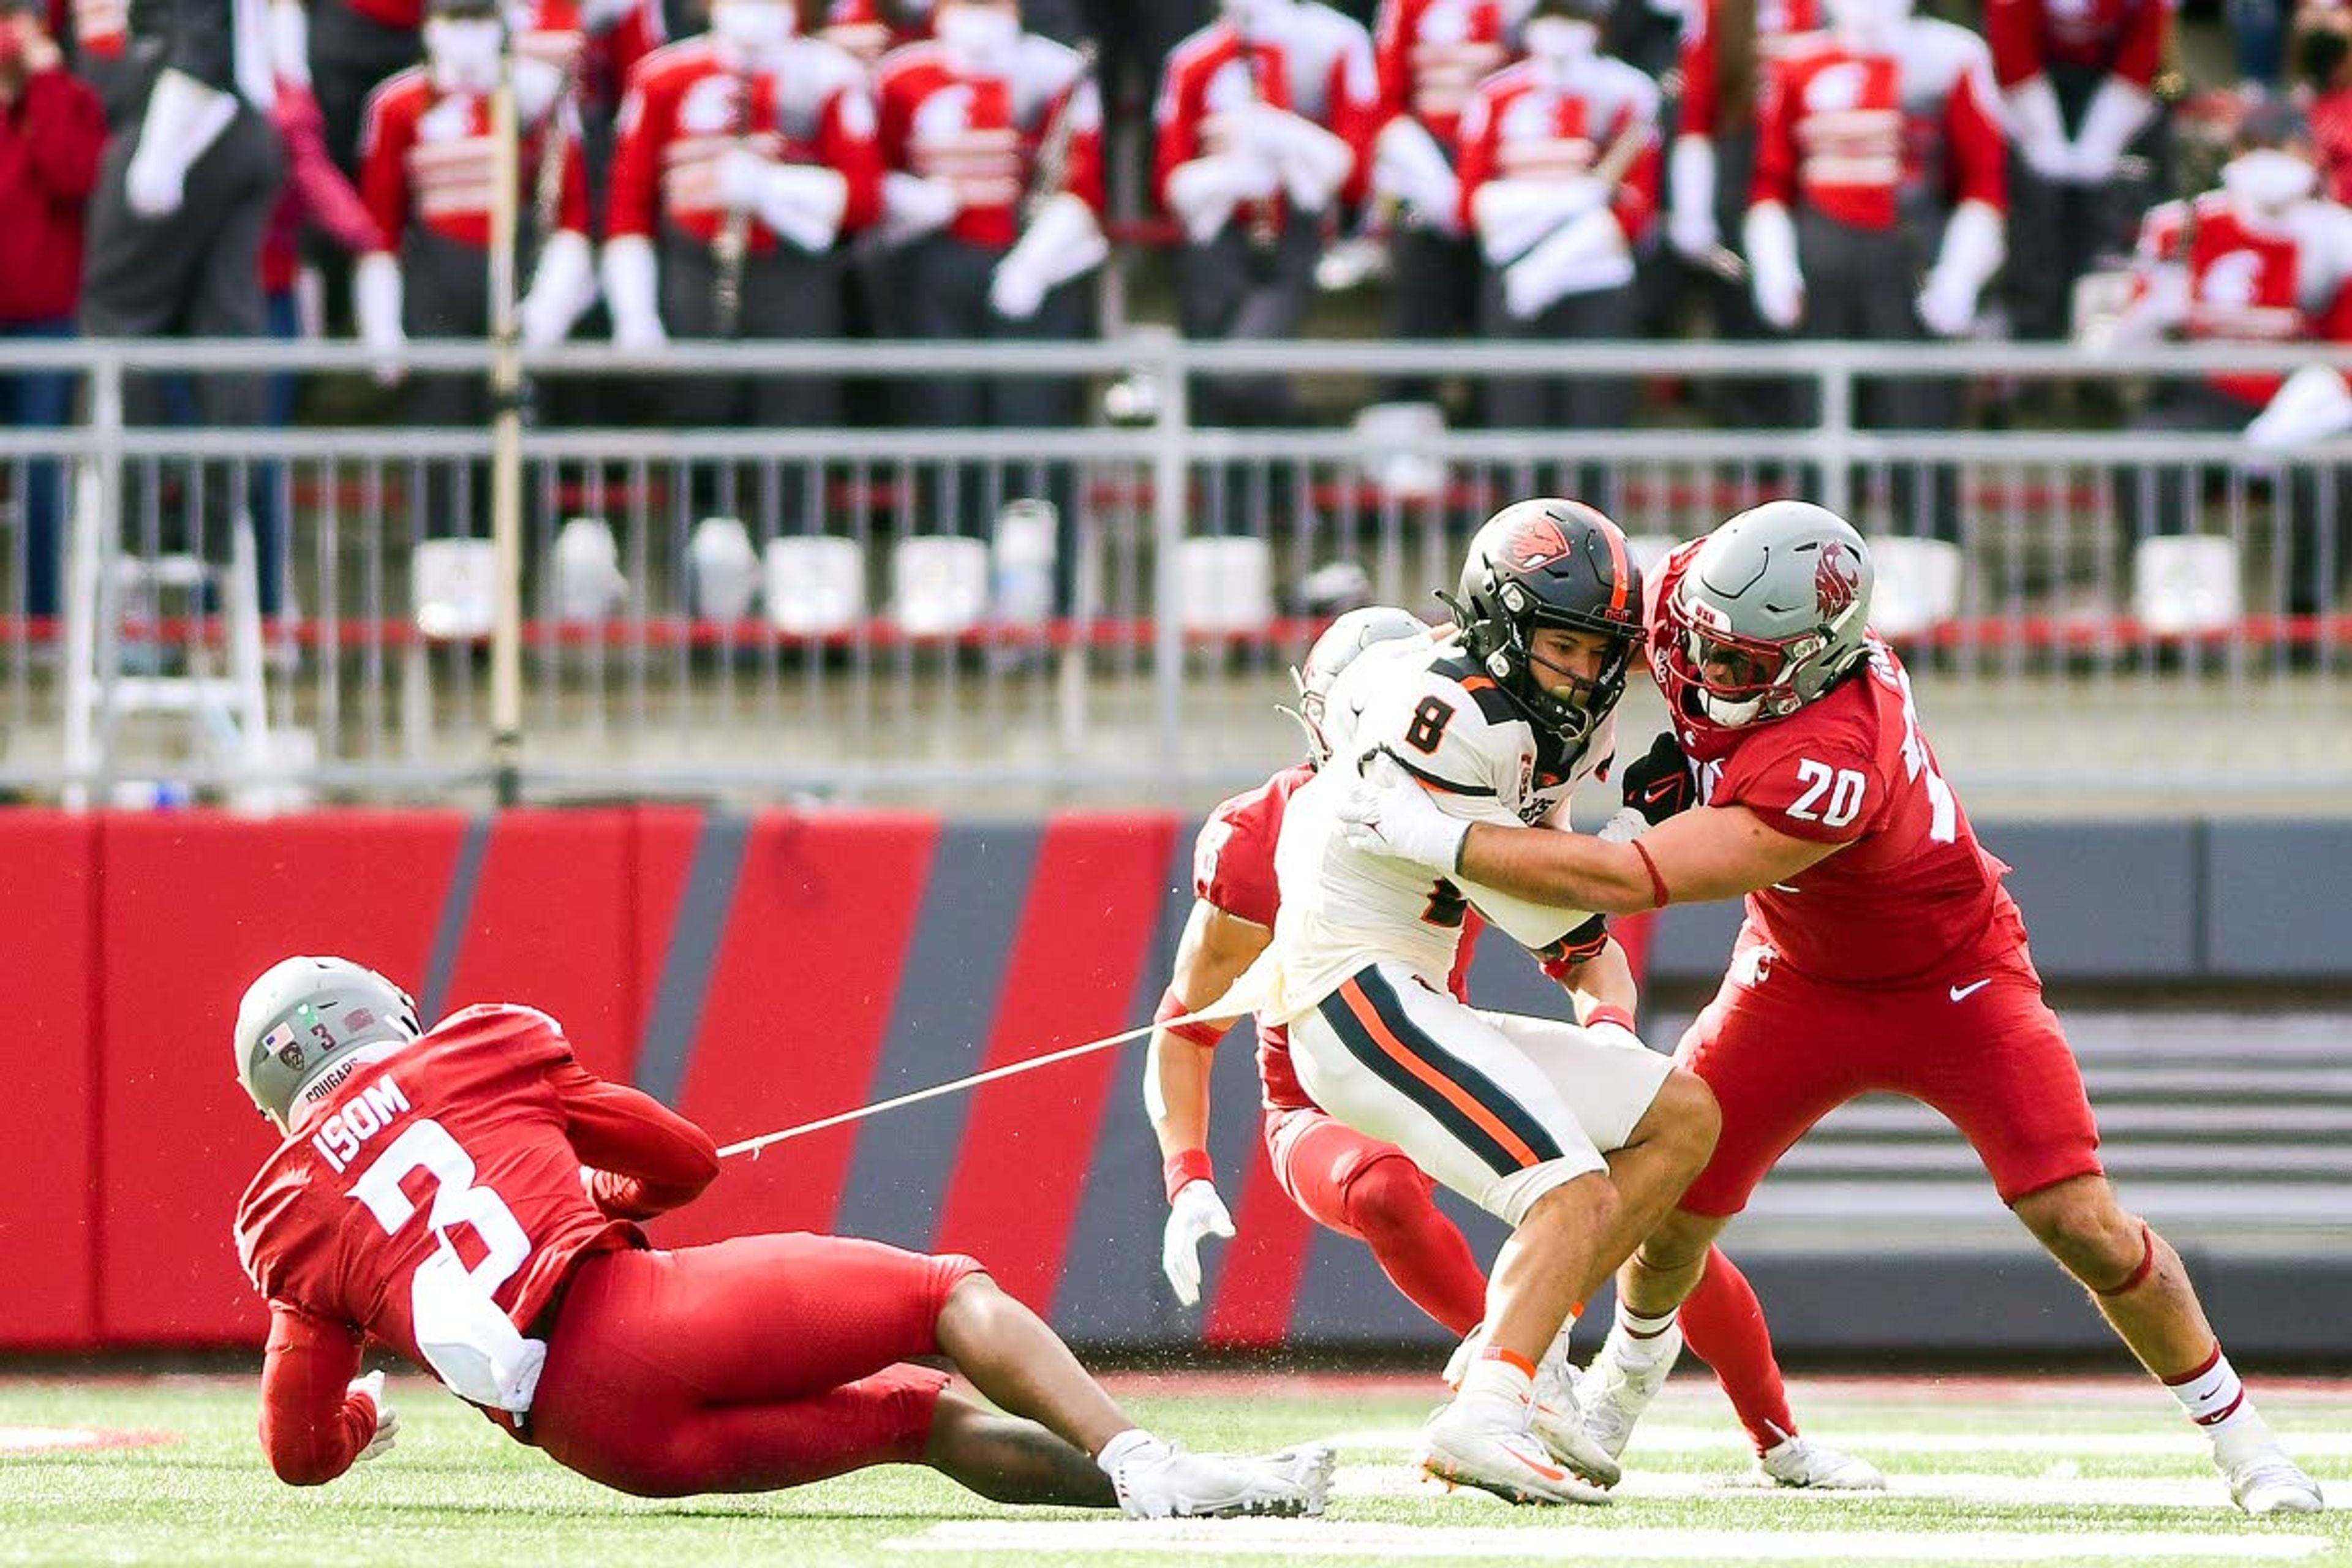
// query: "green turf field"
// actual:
[[1984, 1471]]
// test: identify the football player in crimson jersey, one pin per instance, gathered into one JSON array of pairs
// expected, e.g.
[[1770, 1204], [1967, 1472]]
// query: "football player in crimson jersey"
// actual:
[[1341, 1179], [469, 1197], [1880, 950]]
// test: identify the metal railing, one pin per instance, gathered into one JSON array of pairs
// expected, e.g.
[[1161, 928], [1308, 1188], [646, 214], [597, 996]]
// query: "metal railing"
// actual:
[[866, 623]]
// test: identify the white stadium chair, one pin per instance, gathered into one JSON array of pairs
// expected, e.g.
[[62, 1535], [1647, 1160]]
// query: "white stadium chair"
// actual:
[[453, 589], [723, 569], [2187, 585], [816, 585], [1402, 433], [1227, 584], [1918, 586], [939, 585], [588, 581], [1021, 560]]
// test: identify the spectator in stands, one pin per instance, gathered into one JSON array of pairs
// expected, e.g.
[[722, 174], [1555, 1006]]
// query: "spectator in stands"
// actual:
[[181, 204], [744, 157], [2323, 56], [869, 29], [1878, 204], [2261, 259], [1431, 55], [426, 163], [1726, 44], [1263, 120], [1559, 179], [51, 132], [2079, 81], [994, 140]]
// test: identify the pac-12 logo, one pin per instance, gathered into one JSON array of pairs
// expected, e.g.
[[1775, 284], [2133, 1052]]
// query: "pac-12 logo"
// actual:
[[1837, 581]]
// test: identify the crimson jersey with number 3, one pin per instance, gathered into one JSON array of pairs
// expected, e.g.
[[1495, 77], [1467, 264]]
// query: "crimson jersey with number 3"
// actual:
[[1912, 891], [464, 1140]]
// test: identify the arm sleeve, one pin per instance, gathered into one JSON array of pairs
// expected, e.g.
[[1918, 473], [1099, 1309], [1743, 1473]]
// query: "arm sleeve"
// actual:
[[63, 132], [1980, 151], [632, 185], [1775, 179], [1698, 114], [1176, 133], [1082, 176], [647, 1158], [571, 201], [312, 1425], [1391, 44], [2147, 27], [852, 151], [1473, 159], [2013, 32], [384, 172], [1635, 202], [1355, 111]]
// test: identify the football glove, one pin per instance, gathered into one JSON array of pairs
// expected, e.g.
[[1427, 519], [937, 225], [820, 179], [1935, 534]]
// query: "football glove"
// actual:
[[387, 1422], [1387, 814], [1658, 784], [1195, 1214]]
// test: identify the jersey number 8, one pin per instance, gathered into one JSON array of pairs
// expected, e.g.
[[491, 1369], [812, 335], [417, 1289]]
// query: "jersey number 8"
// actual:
[[1428, 726]]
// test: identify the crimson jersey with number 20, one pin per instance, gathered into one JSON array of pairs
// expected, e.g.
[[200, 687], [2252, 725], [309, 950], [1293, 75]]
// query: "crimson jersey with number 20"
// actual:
[[1913, 892]]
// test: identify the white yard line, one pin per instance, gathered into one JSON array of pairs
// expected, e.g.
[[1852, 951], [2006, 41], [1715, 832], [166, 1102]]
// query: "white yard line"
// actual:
[[1314, 1538], [2161, 1438], [2048, 1490]]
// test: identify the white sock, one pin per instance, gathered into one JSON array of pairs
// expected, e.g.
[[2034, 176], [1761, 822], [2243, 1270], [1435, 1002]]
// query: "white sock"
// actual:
[[2216, 1401], [1497, 1388], [1635, 1337], [1130, 1443]]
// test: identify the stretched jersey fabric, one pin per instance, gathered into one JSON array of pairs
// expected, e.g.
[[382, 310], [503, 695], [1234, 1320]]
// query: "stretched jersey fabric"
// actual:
[[1848, 135], [1521, 126], [982, 133], [1233, 871], [435, 1202], [425, 157], [1912, 890], [686, 105], [2122, 38], [1779, 25], [1431, 55], [2287, 280], [1438, 717]]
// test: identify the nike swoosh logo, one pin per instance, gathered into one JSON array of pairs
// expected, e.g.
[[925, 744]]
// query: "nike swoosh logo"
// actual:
[[1962, 992], [1546, 1471]]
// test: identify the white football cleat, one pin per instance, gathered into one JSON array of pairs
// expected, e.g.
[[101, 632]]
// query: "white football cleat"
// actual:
[[1558, 1421], [1613, 1394], [1169, 1483], [1509, 1463], [2269, 1482], [1799, 1462]]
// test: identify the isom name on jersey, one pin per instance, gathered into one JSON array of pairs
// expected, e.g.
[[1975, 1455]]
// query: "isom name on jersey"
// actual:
[[370, 1110]]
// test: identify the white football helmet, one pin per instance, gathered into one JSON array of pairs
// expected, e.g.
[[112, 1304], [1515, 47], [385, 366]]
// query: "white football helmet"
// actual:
[[1342, 642]]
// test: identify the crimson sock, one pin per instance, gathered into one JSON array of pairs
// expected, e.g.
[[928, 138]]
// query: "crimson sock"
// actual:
[[1424, 1253], [1724, 1325]]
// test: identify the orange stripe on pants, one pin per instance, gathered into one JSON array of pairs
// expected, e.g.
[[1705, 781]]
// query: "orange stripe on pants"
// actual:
[[1461, 1100]]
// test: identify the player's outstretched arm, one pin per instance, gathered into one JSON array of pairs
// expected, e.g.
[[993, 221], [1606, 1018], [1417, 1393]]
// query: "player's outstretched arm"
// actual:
[[317, 1418], [646, 1158], [1713, 852], [1215, 949]]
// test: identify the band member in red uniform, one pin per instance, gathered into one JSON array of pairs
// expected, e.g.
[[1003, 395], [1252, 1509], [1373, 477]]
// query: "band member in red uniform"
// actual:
[[1880, 952], [1264, 120], [1430, 55], [1559, 245], [470, 1198], [2080, 85]]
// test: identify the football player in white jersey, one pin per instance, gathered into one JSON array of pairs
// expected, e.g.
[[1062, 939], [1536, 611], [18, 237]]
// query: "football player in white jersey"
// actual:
[[1574, 1134]]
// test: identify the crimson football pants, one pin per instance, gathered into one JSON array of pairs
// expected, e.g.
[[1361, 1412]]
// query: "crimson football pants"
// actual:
[[1362, 1188], [1977, 1045], [750, 1364]]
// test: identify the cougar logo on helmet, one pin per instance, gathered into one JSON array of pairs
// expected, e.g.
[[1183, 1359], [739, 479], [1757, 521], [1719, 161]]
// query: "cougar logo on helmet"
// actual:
[[1836, 582]]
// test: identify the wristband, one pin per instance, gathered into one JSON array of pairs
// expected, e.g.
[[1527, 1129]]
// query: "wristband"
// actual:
[[1657, 883], [1184, 1167], [1610, 1012], [1200, 1032]]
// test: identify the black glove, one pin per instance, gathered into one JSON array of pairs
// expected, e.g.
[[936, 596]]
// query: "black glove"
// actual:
[[1658, 784]]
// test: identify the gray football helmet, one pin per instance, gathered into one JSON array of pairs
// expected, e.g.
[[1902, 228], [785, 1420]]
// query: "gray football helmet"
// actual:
[[303, 1017], [1341, 642], [1772, 610]]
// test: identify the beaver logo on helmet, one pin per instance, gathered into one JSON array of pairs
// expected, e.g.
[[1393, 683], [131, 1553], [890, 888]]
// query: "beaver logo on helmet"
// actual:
[[1539, 539], [1837, 581]]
